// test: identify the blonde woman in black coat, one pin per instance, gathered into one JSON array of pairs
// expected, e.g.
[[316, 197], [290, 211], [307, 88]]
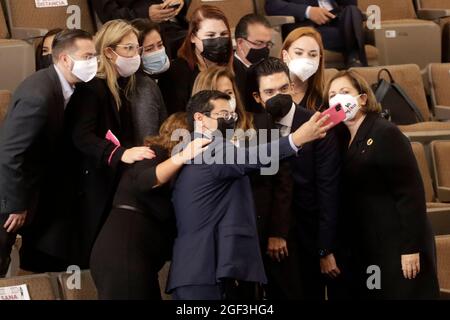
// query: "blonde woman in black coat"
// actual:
[[384, 210]]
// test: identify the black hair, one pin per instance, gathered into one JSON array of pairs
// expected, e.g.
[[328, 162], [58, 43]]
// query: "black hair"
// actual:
[[40, 47], [65, 40], [201, 102], [242, 26], [145, 26]]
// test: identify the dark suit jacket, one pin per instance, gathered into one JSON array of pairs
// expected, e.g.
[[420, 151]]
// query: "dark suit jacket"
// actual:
[[272, 194], [297, 8], [93, 112], [316, 172], [384, 210], [126, 9], [240, 71], [217, 236], [34, 158]]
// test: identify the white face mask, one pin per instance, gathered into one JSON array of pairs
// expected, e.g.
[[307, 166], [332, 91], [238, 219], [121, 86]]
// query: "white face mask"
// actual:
[[349, 104], [232, 102], [85, 70], [303, 68], [126, 67]]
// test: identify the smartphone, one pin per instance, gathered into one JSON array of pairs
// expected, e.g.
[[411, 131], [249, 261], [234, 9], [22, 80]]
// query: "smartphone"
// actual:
[[174, 5], [336, 113]]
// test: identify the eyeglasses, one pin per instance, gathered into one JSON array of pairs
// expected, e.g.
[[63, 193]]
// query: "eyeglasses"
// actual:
[[261, 44], [223, 114], [131, 49]]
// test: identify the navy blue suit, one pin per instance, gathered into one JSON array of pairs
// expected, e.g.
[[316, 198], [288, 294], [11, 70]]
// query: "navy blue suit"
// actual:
[[344, 34], [217, 235]]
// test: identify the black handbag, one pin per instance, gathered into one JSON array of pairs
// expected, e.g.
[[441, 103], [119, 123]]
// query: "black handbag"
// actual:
[[397, 106]]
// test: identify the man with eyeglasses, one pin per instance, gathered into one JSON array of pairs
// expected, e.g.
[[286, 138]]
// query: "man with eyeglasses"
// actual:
[[216, 253], [34, 177], [253, 43]]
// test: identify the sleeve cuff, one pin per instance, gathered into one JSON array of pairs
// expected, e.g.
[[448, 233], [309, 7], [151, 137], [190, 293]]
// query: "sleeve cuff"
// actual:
[[307, 12], [293, 146]]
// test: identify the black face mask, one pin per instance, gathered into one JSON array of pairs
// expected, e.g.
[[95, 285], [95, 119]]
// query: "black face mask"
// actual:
[[256, 55], [224, 125], [44, 62], [217, 50], [279, 106]]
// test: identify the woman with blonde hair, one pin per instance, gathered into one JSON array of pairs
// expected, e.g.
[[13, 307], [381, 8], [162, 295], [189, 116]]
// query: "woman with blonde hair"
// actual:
[[102, 128], [303, 53], [222, 79], [384, 218], [138, 235]]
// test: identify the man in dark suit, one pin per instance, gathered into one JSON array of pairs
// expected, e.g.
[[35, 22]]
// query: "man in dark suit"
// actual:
[[306, 247], [169, 14], [34, 182], [253, 36], [340, 23], [217, 241]]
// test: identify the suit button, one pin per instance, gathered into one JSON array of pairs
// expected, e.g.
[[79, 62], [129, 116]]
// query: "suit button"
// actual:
[[86, 172], [259, 217]]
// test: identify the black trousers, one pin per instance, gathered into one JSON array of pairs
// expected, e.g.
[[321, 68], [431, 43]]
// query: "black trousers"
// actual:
[[127, 256], [283, 278], [7, 241], [343, 34], [173, 36]]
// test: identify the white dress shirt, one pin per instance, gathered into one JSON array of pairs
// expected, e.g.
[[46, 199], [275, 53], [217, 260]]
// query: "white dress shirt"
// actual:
[[67, 88]]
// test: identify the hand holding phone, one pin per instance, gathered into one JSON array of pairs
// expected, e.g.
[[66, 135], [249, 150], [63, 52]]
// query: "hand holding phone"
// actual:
[[336, 113]]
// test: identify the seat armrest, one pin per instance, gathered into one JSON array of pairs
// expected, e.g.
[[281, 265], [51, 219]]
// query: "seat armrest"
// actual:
[[276, 21], [433, 14], [445, 294]]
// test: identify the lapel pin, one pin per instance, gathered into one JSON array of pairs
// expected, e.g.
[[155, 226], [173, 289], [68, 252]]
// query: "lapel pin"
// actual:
[[369, 142]]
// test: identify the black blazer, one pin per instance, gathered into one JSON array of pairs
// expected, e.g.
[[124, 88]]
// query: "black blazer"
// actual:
[[35, 159], [93, 112], [272, 194], [315, 198], [297, 8], [127, 9], [176, 85], [384, 210]]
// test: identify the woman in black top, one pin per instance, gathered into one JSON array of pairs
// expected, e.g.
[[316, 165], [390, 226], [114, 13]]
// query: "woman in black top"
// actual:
[[137, 237], [208, 43], [384, 219], [102, 131]]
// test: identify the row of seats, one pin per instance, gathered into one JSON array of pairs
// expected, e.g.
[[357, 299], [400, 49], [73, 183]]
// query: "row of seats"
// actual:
[[54, 286]]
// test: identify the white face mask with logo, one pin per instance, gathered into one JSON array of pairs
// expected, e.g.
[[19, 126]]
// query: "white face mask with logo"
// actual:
[[126, 67], [85, 70], [349, 104], [303, 68]]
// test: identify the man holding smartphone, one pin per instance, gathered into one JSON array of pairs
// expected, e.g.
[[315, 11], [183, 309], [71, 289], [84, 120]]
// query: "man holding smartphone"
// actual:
[[169, 14]]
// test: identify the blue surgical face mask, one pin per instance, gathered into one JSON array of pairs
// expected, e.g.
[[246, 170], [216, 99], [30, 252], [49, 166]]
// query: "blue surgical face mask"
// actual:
[[156, 62]]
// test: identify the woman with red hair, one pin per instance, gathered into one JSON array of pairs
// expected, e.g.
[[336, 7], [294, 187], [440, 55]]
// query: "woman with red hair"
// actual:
[[208, 43]]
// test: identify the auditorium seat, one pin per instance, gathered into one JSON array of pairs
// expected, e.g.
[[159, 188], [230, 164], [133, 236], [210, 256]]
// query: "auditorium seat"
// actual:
[[443, 264], [329, 73], [400, 38], [440, 152], [16, 58], [27, 21], [39, 286], [5, 97], [409, 77], [438, 213], [87, 290], [438, 11], [439, 78]]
